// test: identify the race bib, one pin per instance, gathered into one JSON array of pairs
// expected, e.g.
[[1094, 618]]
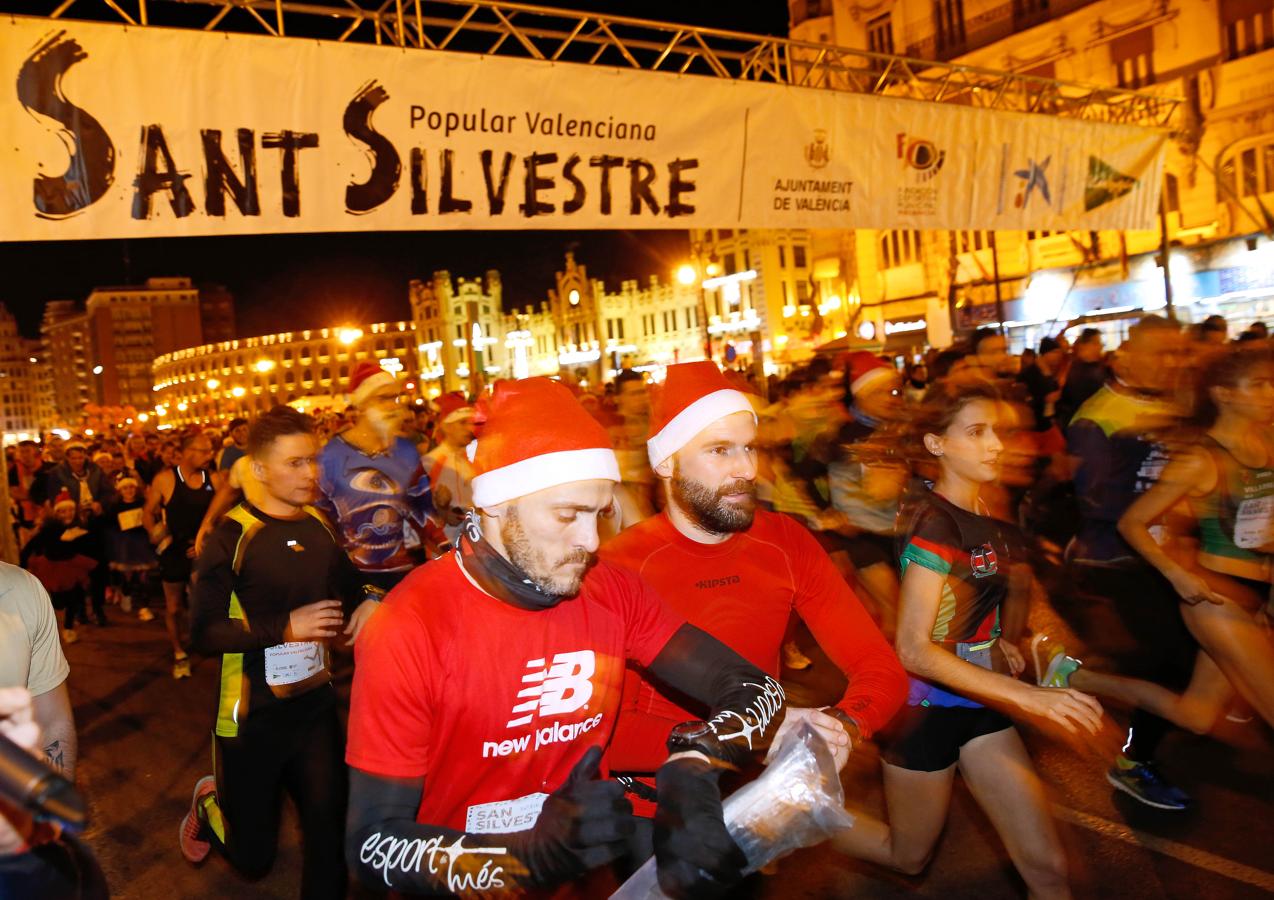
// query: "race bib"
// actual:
[[1254, 524], [293, 662], [505, 815], [129, 519]]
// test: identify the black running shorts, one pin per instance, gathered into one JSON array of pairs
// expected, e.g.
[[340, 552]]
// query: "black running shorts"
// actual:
[[929, 738]]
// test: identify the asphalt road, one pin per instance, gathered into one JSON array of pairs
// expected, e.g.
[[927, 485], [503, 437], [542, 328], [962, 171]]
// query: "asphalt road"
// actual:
[[144, 741]]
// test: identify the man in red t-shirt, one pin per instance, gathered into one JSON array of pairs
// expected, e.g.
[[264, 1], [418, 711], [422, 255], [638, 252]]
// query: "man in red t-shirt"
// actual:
[[738, 572], [489, 682]]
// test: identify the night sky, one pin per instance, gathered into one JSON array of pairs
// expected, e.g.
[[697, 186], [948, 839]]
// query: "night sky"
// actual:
[[293, 281]]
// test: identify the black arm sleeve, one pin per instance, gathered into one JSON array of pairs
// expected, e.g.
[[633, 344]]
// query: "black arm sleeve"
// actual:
[[212, 630], [387, 848], [745, 702]]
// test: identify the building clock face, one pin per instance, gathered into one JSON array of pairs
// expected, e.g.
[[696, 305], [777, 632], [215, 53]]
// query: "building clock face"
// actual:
[[573, 297]]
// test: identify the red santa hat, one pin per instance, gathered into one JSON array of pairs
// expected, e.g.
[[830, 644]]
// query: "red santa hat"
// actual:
[[64, 498], [866, 369], [535, 435], [367, 378], [694, 395], [454, 406]]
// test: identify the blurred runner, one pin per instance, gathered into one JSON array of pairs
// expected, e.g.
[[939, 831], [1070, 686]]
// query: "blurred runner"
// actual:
[[738, 573], [957, 567], [372, 485], [174, 510]]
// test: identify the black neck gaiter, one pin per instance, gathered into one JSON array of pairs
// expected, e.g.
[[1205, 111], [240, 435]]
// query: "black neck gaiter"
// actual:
[[495, 574]]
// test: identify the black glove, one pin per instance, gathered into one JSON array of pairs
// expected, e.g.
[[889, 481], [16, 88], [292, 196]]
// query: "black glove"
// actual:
[[695, 854], [584, 824]]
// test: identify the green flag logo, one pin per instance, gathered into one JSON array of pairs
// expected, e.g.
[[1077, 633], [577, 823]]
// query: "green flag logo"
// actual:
[[1105, 183]]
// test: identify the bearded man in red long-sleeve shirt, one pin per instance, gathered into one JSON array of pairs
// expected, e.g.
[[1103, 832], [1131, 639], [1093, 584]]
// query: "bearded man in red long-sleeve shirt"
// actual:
[[738, 572]]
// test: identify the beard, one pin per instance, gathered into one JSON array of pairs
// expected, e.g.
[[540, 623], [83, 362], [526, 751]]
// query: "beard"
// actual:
[[708, 509], [531, 562]]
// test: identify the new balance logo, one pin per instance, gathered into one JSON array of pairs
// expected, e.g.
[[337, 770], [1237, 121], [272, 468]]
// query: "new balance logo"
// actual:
[[561, 687]]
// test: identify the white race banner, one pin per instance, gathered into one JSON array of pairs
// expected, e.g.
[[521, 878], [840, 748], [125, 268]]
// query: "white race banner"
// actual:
[[111, 132]]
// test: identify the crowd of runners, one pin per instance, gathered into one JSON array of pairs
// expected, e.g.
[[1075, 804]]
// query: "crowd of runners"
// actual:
[[569, 613]]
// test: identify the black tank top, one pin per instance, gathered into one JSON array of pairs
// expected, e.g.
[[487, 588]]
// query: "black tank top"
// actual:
[[185, 509]]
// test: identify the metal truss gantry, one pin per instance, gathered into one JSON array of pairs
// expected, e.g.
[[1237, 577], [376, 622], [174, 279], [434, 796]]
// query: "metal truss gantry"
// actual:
[[543, 33]]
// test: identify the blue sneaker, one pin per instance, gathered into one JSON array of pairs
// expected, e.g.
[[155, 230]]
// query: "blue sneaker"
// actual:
[[1144, 783]]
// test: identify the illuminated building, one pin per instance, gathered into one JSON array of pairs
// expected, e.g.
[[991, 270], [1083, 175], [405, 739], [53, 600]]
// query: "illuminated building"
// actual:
[[19, 383], [307, 368], [64, 340], [1219, 173]]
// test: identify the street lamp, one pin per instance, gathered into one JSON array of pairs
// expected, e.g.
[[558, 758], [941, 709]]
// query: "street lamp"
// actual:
[[349, 336], [213, 384], [691, 273], [265, 365]]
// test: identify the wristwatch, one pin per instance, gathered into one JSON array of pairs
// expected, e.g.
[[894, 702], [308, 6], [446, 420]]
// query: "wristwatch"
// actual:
[[690, 736]]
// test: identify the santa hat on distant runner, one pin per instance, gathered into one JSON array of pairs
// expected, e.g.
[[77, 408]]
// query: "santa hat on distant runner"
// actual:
[[535, 435], [866, 369], [694, 395], [64, 498], [454, 406], [367, 378]]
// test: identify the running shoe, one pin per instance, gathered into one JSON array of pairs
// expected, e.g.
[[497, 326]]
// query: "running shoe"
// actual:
[[793, 658], [69, 636], [181, 666], [1144, 783], [144, 614], [193, 847], [1058, 669]]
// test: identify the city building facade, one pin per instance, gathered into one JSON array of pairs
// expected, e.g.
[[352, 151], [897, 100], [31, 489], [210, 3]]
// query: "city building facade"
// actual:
[[65, 346], [916, 286], [308, 369], [19, 382], [129, 327]]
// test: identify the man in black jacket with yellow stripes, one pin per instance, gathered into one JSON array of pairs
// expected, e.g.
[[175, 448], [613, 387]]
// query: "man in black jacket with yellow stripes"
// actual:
[[272, 589]]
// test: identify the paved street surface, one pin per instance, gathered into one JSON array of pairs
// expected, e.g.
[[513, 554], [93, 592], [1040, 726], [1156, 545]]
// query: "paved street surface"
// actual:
[[144, 740]]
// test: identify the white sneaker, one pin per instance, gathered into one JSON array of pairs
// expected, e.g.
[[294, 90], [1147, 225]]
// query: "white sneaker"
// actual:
[[69, 636], [181, 666], [144, 614]]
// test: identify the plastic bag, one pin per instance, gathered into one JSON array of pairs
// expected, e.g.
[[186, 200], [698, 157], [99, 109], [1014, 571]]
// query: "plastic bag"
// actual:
[[796, 802]]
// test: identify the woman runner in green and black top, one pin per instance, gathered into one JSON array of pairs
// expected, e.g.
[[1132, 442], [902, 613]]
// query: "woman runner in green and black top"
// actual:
[[955, 562], [1228, 482]]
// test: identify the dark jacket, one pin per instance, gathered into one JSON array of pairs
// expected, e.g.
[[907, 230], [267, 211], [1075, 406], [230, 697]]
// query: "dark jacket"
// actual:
[[61, 476]]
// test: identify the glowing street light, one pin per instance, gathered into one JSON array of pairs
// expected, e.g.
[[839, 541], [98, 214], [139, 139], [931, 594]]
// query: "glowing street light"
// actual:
[[265, 365], [97, 370], [213, 384], [238, 391], [348, 336], [686, 275]]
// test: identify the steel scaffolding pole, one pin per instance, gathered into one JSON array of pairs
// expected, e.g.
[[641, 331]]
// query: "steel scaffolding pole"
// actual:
[[494, 28]]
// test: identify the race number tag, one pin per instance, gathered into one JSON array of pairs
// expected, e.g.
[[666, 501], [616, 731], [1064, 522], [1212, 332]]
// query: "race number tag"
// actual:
[[130, 519], [505, 815], [1254, 524], [292, 662]]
